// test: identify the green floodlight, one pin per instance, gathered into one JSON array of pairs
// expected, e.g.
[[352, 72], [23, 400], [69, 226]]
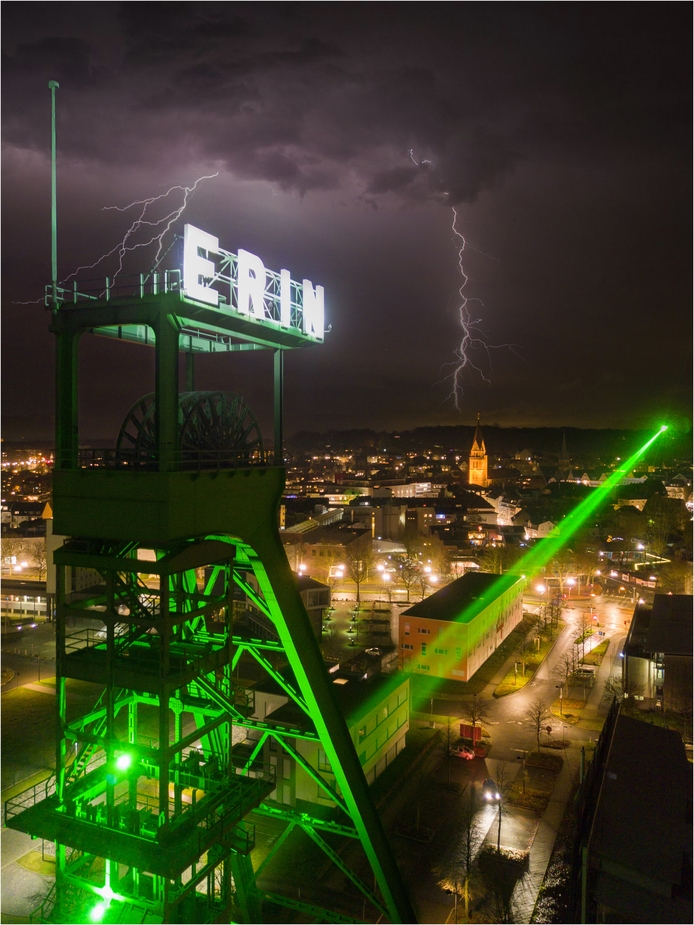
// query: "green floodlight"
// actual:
[[98, 912], [124, 761]]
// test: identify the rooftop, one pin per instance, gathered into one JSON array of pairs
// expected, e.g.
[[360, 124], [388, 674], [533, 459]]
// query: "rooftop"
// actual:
[[464, 598], [670, 628]]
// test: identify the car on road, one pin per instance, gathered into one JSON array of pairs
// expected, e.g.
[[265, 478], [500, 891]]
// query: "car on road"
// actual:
[[490, 791], [463, 751]]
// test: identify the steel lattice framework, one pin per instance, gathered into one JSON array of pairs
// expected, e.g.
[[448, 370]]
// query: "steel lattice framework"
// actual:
[[180, 555]]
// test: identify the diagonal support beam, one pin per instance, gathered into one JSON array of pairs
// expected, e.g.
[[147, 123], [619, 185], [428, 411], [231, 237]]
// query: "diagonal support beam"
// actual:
[[338, 862]]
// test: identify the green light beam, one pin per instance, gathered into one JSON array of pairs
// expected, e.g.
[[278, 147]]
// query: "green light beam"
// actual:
[[534, 559]]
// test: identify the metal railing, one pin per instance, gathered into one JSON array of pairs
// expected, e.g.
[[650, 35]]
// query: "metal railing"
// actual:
[[103, 289]]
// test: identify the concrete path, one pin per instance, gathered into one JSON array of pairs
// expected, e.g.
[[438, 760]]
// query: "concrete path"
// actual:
[[527, 889]]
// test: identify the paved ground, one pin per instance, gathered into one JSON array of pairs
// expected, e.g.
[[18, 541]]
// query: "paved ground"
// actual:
[[439, 807]]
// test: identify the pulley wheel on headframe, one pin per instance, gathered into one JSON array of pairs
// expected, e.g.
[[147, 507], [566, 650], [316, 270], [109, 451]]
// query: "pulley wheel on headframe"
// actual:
[[214, 427]]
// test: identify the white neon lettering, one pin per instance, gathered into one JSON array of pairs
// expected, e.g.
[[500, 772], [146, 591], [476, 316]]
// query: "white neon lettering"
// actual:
[[197, 268], [285, 298], [251, 287], [313, 310]]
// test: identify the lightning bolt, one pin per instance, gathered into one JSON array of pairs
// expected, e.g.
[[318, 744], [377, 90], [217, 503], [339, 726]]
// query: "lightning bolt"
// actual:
[[160, 227], [473, 338]]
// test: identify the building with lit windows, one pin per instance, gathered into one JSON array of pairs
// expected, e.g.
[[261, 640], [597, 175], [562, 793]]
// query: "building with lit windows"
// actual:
[[377, 713], [454, 631], [478, 460]]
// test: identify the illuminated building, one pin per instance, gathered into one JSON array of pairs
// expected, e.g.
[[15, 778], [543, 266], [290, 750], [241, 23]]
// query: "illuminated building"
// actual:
[[454, 631], [478, 460]]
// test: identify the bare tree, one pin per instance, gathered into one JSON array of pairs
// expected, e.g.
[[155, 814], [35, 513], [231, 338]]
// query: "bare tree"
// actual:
[[584, 622], [409, 575], [331, 640], [456, 868], [449, 735], [40, 559], [536, 717], [475, 712], [13, 547], [358, 562], [503, 786], [523, 650]]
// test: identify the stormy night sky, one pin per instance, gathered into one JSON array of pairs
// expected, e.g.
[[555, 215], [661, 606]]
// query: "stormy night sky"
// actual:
[[560, 132]]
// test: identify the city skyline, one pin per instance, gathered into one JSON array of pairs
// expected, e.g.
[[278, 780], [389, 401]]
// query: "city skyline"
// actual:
[[343, 142]]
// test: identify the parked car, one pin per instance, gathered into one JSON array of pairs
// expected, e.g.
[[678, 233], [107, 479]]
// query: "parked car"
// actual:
[[463, 751], [490, 791]]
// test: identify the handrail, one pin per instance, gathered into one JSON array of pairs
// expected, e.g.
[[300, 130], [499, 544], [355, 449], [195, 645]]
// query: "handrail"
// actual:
[[103, 289]]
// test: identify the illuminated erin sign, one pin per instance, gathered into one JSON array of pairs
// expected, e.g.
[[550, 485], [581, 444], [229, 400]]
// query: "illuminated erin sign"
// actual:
[[240, 283]]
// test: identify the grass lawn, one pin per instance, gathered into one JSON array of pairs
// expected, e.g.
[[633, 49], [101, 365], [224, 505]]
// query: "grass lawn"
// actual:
[[513, 682], [579, 639], [424, 688], [596, 655], [543, 760], [536, 800]]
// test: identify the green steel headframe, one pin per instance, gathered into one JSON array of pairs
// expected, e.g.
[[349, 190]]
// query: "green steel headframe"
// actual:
[[151, 802]]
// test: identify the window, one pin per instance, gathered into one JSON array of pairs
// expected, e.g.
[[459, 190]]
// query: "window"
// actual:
[[362, 733], [424, 648], [323, 763], [441, 651], [458, 653], [423, 631], [407, 629], [423, 667], [407, 645]]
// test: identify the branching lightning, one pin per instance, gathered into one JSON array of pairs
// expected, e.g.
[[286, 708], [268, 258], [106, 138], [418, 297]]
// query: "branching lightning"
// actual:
[[473, 338], [160, 226]]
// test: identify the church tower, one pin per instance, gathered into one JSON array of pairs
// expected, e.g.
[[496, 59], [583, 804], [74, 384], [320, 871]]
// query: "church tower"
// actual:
[[478, 460]]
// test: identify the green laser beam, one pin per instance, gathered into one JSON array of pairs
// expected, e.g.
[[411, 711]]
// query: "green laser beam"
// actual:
[[532, 561]]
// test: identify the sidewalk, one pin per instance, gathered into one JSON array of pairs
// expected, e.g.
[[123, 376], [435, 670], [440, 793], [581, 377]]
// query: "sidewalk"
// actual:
[[527, 889]]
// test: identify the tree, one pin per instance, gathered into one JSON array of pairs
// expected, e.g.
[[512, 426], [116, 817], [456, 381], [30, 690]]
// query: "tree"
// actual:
[[584, 622], [475, 712], [523, 650], [675, 577], [331, 640], [40, 558], [449, 735], [665, 516], [13, 547], [536, 717], [409, 575], [359, 562], [562, 566], [456, 869], [503, 786]]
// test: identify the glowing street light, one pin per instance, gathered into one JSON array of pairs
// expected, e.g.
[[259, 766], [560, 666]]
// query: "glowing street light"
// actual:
[[540, 589]]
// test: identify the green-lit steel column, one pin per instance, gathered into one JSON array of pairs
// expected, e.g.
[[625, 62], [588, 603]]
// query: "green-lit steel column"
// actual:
[[66, 420], [274, 576], [166, 389], [279, 407]]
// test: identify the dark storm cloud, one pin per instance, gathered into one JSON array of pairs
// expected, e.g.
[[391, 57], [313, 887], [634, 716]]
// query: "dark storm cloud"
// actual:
[[561, 131], [316, 96]]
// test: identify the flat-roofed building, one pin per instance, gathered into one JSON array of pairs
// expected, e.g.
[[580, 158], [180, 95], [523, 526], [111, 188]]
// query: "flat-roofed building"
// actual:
[[377, 713], [454, 631]]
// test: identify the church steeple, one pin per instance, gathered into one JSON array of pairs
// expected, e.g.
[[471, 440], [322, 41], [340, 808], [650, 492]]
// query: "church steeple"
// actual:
[[478, 441], [478, 459]]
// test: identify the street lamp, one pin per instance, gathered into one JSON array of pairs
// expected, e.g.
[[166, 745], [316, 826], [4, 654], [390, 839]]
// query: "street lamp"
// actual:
[[570, 582]]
